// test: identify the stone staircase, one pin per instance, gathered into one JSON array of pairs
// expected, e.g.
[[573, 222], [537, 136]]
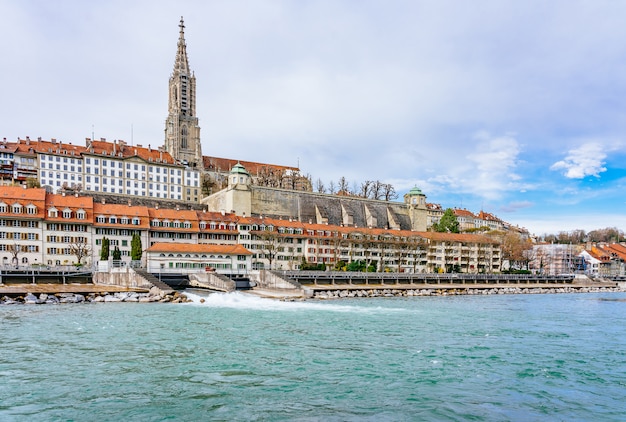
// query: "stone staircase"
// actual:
[[154, 281]]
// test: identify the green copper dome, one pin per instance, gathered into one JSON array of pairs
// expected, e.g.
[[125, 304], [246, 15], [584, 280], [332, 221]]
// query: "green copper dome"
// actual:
[[415, 191], [239, 169]]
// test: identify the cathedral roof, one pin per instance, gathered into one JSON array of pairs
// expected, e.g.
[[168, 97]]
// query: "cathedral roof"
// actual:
[[226, 164]]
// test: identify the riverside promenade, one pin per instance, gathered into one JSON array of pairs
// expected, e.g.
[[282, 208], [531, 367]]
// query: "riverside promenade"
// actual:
[[333, 284], [21, 281]]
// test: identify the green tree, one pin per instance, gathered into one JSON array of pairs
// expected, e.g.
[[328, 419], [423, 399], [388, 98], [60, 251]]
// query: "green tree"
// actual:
[[117, 254], [104, 253], [448, 223], [136, 248]]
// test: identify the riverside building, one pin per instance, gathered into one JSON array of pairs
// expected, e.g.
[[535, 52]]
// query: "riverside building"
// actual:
[[42, 228]]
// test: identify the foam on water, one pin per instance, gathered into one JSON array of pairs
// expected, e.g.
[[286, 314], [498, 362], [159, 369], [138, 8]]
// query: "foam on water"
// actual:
[[240, 300]]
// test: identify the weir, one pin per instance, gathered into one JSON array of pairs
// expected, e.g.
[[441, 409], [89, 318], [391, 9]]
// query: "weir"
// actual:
[[340, 280]]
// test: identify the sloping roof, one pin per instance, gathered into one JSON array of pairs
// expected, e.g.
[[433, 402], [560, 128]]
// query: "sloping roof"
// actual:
[[226, 164], [121, 150], [19, 192], [198, 248]]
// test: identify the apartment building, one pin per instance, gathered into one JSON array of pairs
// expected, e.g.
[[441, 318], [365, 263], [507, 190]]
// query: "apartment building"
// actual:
[[22, 212], [48, 229]]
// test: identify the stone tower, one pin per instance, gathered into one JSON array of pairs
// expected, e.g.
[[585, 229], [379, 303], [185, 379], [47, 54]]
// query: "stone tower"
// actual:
[[415, 201], [182, 133]]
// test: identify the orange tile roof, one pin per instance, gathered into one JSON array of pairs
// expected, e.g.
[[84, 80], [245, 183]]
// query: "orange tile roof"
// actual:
[[225, 164], [201, 248], [463, 213], [20, 193], [119, 149], [120, 210], [70, 201], [208, 216], [74, 203], [48, 147], [17, 194]]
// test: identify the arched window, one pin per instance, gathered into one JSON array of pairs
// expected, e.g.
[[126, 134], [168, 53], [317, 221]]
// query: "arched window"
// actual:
[[183, 137]]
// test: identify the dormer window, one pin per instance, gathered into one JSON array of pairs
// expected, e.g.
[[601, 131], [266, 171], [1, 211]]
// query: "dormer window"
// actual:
[[3, 207], [31, 209], [113, 220], [53, 213], [67, 213], [135, 221], [16, 209], [202, 225], [124, 220], [156, 223], [101, 219], [81, 214]]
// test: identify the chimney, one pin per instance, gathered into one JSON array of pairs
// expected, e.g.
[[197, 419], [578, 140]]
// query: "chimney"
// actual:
[[103, 201], [63, 193], [156, 206], [76, 194], [24, 186], [177, 207], [129, 203]]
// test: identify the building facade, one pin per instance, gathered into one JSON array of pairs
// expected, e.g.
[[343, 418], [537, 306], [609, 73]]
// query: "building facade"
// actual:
[[41, 228]]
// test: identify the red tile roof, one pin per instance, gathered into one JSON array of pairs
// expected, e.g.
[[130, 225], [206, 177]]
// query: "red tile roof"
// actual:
[[225, 164], [200, 248]]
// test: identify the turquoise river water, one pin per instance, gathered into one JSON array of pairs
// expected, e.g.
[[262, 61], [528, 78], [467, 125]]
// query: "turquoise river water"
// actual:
[[559, 357]]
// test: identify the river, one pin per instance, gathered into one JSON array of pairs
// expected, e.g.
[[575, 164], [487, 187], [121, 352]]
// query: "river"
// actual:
[[240, 357]]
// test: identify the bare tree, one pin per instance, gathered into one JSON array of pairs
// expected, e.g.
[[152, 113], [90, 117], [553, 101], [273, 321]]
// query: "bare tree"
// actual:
[[332, 189], [80, 249], [15, 250], [269, 245], [319, 186], [389, 192], [376, 190], [366, 189], [343, 185]]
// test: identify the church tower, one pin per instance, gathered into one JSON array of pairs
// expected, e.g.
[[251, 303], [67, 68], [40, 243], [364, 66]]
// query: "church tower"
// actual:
[[182, 133]]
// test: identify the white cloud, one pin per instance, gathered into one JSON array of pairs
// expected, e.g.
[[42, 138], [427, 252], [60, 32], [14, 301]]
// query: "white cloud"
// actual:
[[487, 170], [586, 160]]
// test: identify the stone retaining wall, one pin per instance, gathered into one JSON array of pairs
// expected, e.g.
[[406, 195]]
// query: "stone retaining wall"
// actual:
[[336, 294]]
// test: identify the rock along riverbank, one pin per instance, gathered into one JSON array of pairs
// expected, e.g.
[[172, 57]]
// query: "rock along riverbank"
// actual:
[[338, 294], [155, 295]]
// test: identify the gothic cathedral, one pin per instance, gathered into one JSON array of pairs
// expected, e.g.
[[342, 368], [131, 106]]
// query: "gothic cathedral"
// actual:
[[182, 132]]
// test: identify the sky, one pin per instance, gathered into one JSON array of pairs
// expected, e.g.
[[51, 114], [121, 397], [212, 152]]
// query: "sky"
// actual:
[[515, 108]]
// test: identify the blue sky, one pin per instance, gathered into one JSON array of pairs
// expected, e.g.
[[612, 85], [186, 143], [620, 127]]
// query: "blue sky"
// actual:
[[517, 108]]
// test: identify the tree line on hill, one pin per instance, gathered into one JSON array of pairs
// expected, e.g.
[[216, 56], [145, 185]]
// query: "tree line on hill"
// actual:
[[369, 189], [607, 234]]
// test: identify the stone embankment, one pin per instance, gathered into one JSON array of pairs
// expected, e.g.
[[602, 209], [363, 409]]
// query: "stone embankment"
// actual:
[[337, 294], [154, 295]]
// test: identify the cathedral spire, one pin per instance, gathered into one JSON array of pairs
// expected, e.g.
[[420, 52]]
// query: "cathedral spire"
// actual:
[[182, 132], [181, 64]]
